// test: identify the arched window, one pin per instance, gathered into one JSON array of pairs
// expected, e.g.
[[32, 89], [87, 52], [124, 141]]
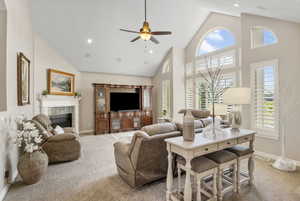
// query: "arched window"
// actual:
[[215, 40], [261, 36], [166, 66]]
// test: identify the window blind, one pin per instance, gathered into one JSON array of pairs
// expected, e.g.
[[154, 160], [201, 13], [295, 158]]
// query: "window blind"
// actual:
[[166, 96], [265, 99], [189, 94]]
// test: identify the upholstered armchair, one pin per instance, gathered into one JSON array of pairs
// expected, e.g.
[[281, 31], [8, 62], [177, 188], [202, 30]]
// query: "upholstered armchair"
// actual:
[[59, 147], [144, 159]]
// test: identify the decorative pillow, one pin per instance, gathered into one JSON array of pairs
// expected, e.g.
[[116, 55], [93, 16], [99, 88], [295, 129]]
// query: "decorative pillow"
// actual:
[[198, 124], [159, 128], [206, 121], [58, 130]]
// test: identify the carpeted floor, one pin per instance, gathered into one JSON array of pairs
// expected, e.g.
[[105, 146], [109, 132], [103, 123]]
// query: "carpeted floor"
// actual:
[[94, 178]]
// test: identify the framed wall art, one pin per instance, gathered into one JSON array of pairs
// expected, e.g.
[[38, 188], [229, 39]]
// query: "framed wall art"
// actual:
[[23, 79], [60, 83]]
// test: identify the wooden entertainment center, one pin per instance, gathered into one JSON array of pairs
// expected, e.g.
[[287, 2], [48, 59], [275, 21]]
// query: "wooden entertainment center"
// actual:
[[107, 121]]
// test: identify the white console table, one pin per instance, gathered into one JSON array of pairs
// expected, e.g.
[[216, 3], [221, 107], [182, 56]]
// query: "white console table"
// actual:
[[200, 146]]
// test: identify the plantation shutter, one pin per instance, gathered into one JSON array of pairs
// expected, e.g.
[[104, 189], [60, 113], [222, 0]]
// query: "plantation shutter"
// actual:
[[166, 96], [189, 94], [265, 99]]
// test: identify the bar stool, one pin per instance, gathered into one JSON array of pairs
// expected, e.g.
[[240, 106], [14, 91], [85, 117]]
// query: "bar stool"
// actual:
[[225, 159], [202, 168], [242, 154]]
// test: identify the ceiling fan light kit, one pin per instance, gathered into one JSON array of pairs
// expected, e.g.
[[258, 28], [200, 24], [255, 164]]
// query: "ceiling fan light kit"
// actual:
[[145, 32]]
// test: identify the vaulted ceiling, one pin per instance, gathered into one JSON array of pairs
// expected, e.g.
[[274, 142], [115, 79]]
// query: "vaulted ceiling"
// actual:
[[68, 24]]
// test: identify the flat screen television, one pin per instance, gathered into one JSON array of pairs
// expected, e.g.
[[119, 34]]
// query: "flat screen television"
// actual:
[[124, 101]]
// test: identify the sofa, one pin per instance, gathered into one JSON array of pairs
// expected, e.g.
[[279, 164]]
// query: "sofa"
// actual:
[[144, 158], [59, 147]]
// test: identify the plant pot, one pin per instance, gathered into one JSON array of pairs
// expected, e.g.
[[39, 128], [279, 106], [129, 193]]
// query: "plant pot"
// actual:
[[32, 166], [188, 126]]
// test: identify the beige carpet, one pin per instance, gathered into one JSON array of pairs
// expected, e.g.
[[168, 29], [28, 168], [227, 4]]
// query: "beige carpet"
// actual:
[[94, 178]]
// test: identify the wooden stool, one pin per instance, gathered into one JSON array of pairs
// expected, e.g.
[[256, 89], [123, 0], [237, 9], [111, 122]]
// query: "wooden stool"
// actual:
[[225, 159], [202, 168], [243, 153]]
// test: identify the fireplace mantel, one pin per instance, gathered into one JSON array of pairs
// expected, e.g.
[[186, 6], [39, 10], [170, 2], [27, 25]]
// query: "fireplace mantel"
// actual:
[[51, 101]]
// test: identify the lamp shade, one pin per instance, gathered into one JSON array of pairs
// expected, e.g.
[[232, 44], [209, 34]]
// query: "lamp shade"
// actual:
[[237, 96], [220, 109]]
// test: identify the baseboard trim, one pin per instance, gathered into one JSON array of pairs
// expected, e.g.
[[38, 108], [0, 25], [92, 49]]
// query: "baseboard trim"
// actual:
[[86, 131], [270, 157], [5, 189]]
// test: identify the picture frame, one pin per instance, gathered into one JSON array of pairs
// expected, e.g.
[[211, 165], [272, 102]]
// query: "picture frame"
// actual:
[[23, 79], [61, 83]]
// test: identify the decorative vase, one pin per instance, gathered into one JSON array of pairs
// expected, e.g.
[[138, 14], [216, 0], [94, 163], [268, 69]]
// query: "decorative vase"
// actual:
[[188, 126], [32, 166]]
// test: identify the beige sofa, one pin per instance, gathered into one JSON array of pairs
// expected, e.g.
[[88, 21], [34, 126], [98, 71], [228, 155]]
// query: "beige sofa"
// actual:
[[144, 159], [59, 148]]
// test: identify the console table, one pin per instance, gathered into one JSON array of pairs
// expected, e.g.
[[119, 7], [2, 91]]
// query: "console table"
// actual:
[[200, 146]]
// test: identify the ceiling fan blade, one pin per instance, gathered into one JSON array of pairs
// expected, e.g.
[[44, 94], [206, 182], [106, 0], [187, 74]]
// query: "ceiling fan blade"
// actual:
[[154, 40], [129, 31], [135, 39], [161, 33]]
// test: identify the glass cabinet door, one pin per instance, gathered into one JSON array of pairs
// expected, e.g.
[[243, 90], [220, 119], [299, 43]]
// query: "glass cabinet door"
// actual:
[[146, 98], [101, 100]]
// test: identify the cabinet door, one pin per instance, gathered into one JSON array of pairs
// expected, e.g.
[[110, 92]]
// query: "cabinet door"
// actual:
[[102, 126], [146, 98], [100, 100]]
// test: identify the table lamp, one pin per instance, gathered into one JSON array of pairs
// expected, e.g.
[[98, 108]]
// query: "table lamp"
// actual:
[[220, 109], [235, 97]]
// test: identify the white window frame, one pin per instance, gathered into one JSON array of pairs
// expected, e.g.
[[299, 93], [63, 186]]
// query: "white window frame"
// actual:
[[266, 133], [253, 46]]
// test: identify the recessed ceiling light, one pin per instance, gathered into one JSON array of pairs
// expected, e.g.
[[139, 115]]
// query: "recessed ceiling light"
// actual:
[[89, 41], [236, 5], [151, 52]]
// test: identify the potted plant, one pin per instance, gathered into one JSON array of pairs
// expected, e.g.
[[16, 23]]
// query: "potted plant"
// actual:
[[77, 94], [45, 92], [33, 162]]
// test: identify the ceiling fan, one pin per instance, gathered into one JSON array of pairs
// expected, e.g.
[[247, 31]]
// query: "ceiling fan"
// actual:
[[145, 32]]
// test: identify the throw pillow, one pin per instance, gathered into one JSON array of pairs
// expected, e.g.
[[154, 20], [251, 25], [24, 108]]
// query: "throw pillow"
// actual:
[[59, 130]]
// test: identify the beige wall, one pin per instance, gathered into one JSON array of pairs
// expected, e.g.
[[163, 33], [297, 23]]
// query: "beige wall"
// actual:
[[287, 50], [46, 57], [3, 58], [19, 39], [87, 102]]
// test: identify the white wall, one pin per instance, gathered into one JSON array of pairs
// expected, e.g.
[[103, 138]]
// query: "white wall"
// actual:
[[19, 39], [46, 57], [87, 90], [287, 50], [3, 22]]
